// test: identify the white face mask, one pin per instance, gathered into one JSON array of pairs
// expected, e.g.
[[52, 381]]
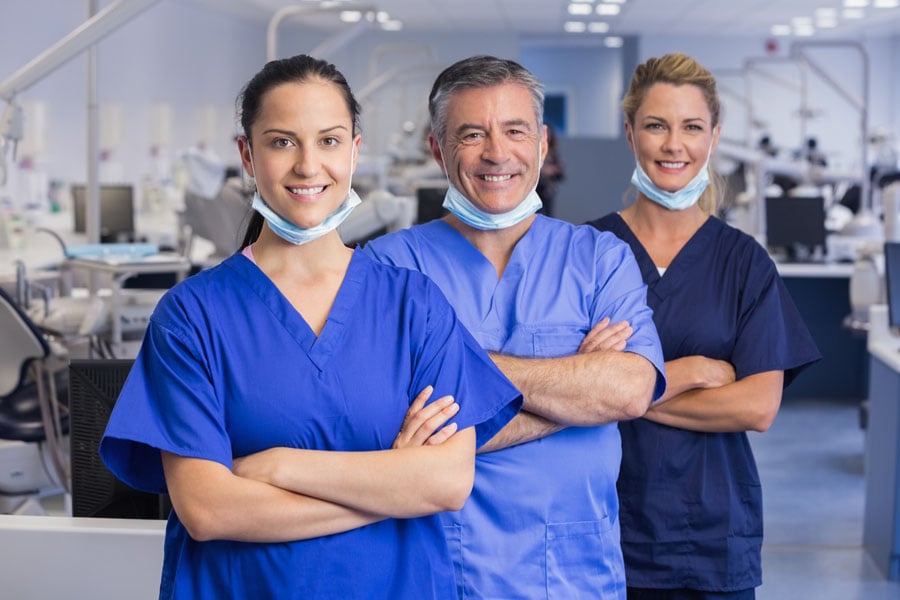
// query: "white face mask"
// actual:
[[681, 199], [288, 231], [463, 209]]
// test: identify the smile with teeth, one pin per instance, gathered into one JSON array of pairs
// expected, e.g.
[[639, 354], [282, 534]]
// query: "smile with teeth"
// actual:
[[496, 178], [672, 165], [307, 191]]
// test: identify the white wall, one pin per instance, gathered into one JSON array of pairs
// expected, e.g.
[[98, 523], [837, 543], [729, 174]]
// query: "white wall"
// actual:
[[193, 58]]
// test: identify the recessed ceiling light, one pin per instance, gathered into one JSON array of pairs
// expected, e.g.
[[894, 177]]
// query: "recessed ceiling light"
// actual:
[[351, 16], [574, 27], [804, 31], [826, 22], [801, 21], [780, 30], [825, 13], [608, 9], [613, 41], [856, 3], [580, 9], [887, 3], [598, 27], [853, 13], [392, 25]]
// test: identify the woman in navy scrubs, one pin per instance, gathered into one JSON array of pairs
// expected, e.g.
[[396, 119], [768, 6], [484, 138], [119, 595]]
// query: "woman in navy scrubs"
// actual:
[[691, 504]]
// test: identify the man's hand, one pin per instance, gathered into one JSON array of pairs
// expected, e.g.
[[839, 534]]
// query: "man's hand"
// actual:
[[604, 336], [424, 425]]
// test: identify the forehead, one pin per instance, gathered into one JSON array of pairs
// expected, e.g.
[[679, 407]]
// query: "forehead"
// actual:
[[314, 103], [674, 102], [482, 106]]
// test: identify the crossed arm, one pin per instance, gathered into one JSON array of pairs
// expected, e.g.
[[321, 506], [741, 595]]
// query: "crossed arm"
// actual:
[[600, 384], [703, 395], [286, 494]]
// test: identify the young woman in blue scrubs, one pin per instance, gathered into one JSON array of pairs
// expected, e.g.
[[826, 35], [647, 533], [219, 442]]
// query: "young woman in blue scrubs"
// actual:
[[691, 506], [269, 390]]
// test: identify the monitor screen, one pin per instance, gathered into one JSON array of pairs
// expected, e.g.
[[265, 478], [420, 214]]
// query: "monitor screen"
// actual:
[[892, 281], [795, 225], [94, 385], [429, 202], [116, 212]]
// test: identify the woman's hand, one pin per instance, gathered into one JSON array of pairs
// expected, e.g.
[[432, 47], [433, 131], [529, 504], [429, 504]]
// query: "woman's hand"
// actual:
[[604, 336], [424, 425]]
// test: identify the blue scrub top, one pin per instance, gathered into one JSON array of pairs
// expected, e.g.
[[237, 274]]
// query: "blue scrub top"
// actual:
[[542, 521], [228, 368], [691, 501]]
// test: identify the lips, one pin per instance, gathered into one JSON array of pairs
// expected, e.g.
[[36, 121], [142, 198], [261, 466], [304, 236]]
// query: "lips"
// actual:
[[307, 191]]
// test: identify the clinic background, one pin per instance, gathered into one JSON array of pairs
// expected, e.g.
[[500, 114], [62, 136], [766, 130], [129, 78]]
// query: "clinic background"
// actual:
[[166, 82]]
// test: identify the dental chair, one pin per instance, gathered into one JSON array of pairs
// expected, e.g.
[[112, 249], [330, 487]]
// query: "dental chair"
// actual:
[[33, 413]]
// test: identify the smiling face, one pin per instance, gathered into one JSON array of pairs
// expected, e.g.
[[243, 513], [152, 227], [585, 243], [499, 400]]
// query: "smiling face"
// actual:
[[672, 134], [302, 151], [494, 146]]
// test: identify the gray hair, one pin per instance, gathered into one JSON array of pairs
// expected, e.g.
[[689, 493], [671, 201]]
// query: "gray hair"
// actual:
[[474, 73]]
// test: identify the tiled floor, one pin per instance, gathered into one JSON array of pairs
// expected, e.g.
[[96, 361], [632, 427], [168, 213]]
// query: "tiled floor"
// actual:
[[811, 467]]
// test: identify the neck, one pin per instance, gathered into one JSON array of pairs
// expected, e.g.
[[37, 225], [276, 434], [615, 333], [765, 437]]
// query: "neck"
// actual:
[[647, 215], [496, 245], [326, 253]]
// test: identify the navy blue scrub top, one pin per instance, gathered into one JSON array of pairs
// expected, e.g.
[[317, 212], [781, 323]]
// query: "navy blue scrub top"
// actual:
[[690, 502]]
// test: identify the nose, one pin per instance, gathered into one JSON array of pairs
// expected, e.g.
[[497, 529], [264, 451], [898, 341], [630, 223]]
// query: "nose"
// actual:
[[306, 163], [495, 150], [672, 141]]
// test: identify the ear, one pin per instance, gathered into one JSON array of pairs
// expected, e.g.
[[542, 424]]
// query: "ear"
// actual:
[[244, 149], [355, 156], [629, 136], [545, 143], [436, 152], [717, 130]]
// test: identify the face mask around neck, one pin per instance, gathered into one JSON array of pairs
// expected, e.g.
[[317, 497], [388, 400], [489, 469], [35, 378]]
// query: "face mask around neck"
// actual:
[[463, 209], [288, 231], [679, 199]]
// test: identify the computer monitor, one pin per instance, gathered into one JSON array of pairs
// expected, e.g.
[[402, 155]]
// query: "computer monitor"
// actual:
[[94, 386], [892, 281], [429, 202], [795, 226], [116, 212]]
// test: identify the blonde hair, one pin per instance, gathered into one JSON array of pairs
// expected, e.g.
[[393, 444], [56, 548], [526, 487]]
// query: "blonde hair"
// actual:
[[677, 69]]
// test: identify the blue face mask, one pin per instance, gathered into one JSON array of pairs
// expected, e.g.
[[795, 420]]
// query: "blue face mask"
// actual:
[[681, 199], [471, 215], [298, 235]]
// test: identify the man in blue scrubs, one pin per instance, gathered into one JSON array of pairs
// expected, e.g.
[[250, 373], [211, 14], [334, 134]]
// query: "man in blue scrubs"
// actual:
[[562, 309]]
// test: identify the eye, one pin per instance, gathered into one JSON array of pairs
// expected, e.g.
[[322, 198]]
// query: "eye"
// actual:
[[654, 126], [282, 142], [331, 141], [471, 138]]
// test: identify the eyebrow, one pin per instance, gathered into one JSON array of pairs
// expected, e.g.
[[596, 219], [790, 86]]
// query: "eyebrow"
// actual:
[[288, 132], [688, 120], [522, 123]]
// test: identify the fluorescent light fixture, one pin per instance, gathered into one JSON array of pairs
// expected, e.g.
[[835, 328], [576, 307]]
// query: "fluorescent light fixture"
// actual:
[[804, 31], [826, 13], [856, 3], [392, 25], [598, 27], [613, 41], [780, 30], [351, 16], [580, 9], [382, 16], [581, 1], [853, 13], [614, 1], [574, 27], [826, 22], [887, 3], [608, 9], [801, 21]]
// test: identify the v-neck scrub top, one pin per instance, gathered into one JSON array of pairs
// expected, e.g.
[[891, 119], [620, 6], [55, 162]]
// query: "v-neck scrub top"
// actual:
[[542, 521], [228, 367], [691, 501]]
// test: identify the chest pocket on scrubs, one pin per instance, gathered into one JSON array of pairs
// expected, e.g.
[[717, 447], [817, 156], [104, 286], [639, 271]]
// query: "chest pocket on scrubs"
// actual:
[[563, 340]]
